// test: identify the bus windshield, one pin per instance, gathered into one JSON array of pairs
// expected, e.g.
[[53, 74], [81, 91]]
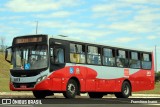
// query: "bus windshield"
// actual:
[[30, 57]]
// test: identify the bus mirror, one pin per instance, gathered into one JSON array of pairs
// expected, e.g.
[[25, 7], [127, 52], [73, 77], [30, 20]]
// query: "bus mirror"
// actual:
[[8, 54]]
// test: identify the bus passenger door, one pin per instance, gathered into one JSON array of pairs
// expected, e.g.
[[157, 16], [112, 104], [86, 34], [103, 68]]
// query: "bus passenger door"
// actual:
[[57, 58]]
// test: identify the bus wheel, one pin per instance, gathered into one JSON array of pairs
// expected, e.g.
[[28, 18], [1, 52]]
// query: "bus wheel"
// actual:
[[125, 90], [71, 90], [95, 95], [39, 94]]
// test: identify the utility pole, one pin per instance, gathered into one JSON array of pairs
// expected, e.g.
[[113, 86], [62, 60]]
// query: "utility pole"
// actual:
[[155, 58], [36, 27]]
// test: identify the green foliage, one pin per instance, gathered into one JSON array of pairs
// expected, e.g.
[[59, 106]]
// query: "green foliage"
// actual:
[[1, 50], [157, 76]]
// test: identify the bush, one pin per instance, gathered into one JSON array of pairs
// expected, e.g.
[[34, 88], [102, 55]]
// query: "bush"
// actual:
[[157, 76]]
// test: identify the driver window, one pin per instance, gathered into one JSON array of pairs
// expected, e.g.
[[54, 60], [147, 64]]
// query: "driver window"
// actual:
[[57, 55]]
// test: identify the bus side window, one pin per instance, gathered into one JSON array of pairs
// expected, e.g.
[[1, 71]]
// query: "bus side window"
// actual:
[[93, 55], [122, 58], [56, 55], [82, 55], [108, 57], [59, 55], [77, 53], [146, 61], [134, 60]]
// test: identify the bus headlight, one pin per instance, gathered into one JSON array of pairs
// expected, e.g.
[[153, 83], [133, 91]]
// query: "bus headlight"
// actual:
[[44, 77], [41, 78]]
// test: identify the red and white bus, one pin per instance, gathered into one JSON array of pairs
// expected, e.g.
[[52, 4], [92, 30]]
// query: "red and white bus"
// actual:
[[48, 65]]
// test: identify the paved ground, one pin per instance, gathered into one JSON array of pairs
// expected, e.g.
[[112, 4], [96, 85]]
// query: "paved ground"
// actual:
[[59, 95], [58, 100]]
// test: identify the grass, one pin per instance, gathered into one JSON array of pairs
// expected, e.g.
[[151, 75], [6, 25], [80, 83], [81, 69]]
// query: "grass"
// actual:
[[4, 74], [4, 87], [4, 78]]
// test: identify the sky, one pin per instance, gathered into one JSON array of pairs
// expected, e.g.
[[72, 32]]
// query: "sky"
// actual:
[[126, 23]]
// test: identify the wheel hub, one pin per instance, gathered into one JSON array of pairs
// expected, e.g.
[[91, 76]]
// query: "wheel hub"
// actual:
[[71, 88], [126, 90]]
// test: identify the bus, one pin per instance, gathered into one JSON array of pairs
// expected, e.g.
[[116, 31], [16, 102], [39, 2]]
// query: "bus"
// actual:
[[46, 65]]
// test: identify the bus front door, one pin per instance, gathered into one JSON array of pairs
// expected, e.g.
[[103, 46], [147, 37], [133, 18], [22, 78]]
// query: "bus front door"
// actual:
[[57, 60]]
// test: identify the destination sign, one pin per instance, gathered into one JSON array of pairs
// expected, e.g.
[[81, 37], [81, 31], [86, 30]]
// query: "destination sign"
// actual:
[[27, 40]]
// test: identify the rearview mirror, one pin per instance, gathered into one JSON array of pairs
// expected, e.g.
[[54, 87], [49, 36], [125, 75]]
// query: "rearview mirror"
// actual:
[[8, 54]]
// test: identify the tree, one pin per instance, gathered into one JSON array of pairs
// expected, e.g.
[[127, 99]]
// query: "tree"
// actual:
[[2, 40]]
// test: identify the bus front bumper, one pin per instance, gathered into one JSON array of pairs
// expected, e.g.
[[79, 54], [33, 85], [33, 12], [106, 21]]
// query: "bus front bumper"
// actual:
[[43, 85], [54, 84]]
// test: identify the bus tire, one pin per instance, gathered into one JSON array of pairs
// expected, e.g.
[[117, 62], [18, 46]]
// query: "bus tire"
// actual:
[[125, 90], [39, 94], [71, 89], [95, 94]]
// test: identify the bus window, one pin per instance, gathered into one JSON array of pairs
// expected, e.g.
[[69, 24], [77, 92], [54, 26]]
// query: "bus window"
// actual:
[[30, 57], [122, 58], [59, 55], [77, 53], [108, 57], [56, 55], [94, 56], [146, 61], [134, 60]]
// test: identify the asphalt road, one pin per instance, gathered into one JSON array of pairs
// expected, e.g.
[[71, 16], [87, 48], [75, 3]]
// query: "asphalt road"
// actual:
[[59, 95]]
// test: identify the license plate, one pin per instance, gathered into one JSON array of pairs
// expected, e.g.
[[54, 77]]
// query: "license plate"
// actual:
[[16, 79], [23, 86]]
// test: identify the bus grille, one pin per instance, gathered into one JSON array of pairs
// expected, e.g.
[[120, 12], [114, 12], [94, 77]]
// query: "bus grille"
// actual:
[[28, 85]]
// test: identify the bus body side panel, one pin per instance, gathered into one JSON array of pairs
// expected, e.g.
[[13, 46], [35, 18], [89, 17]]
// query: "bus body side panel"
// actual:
[[143, 79], [66, 73], [87, 78], [91, 80], [104, 85]]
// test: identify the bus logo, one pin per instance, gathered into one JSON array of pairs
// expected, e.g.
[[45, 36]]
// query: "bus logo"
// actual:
[[77, 71], [126, 72], [148, 73], [71, 70], [27, 66]]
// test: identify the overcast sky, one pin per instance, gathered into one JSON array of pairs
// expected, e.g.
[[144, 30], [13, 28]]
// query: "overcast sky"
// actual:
[[129, 23]]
